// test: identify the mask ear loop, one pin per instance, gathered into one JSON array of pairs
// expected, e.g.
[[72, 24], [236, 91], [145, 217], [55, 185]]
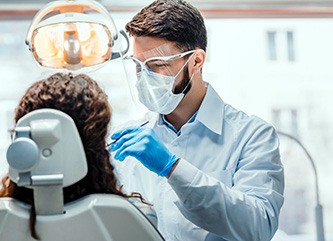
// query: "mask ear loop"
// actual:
[[181, 70], [188, 83], [188, 60]]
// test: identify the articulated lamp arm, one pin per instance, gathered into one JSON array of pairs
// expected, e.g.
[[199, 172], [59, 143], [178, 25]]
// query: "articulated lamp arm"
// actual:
[[318, 208]]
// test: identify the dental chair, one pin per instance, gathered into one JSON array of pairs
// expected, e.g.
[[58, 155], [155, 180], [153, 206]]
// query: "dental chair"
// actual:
[[46, 155]]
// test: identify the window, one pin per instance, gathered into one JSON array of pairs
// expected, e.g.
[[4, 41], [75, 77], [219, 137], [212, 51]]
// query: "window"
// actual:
[[272, 45], [291, 50], [281, 40], [286, 120]]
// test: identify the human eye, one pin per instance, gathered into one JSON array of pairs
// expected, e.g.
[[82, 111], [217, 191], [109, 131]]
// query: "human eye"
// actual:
[[157, 66]]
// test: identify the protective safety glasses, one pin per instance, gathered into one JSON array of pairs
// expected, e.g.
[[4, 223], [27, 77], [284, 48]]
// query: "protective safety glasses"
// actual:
[[159, 65], [162, 64]]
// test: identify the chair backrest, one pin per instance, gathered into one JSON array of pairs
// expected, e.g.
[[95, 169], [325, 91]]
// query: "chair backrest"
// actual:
[[100, 217], [46, 155]]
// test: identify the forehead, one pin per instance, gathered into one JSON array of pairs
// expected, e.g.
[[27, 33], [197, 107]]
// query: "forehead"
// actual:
[[148, 47]]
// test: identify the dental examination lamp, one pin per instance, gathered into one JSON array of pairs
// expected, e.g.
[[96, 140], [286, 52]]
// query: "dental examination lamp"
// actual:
[[63, 35], [47, 155], [319, 208]]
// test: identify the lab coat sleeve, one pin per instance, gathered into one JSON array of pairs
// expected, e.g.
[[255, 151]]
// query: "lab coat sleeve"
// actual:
[[249, 208]]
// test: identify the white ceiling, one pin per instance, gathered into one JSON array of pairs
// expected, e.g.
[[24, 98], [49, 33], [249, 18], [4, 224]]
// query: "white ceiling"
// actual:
[[23, 9], [198, 3]]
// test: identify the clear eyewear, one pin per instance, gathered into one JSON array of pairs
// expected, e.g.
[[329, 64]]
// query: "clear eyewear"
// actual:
[[159, 65]]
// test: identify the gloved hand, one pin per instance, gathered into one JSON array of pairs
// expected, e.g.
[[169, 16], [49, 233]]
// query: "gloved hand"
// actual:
[[143, 144]]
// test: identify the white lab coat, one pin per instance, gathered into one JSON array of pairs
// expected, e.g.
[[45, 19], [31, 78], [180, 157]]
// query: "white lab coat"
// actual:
[[228, 184]]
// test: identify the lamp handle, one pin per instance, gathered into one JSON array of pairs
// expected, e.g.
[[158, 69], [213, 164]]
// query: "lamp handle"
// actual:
[[122, 52]]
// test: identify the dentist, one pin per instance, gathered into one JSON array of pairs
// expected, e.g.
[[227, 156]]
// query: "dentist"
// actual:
[[211, 171]]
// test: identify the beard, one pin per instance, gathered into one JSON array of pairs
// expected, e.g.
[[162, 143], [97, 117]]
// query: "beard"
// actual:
[[184, 86]]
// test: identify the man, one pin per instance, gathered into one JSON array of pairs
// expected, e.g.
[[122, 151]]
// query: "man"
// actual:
[[219, 174]]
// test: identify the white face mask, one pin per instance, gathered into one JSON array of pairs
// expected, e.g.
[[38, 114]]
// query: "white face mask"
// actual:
[[155, 91]]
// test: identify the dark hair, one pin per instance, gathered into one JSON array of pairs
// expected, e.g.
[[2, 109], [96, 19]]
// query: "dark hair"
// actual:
[[85, 102], [174, 20]]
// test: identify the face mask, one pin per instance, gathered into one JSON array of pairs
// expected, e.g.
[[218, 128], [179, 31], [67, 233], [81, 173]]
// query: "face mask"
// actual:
[[155, 91]]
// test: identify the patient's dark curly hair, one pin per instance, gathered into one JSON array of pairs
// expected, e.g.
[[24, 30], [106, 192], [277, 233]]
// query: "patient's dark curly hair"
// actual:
[[85, 102]]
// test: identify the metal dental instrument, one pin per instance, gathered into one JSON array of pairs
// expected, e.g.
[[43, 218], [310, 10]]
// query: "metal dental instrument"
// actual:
[[113, 141]]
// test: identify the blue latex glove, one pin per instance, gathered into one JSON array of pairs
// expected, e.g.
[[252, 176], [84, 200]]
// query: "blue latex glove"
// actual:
[[143, 144]]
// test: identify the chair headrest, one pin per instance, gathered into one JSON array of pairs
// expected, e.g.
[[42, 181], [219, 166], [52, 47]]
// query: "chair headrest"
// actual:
[[46, 144]]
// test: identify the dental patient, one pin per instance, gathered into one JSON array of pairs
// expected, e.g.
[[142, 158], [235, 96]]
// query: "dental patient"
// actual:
[[84, 101]]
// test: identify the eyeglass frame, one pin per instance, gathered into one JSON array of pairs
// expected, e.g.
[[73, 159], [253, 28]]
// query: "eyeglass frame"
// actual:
[[161, 58]]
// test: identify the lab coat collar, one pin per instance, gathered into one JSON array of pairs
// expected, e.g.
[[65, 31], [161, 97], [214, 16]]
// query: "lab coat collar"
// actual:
[[211, 111]]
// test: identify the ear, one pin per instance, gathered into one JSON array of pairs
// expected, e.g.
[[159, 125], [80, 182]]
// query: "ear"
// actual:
[[198, 60]]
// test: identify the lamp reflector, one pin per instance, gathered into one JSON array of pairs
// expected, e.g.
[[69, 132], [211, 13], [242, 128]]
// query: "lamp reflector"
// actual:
[[71, 45]]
